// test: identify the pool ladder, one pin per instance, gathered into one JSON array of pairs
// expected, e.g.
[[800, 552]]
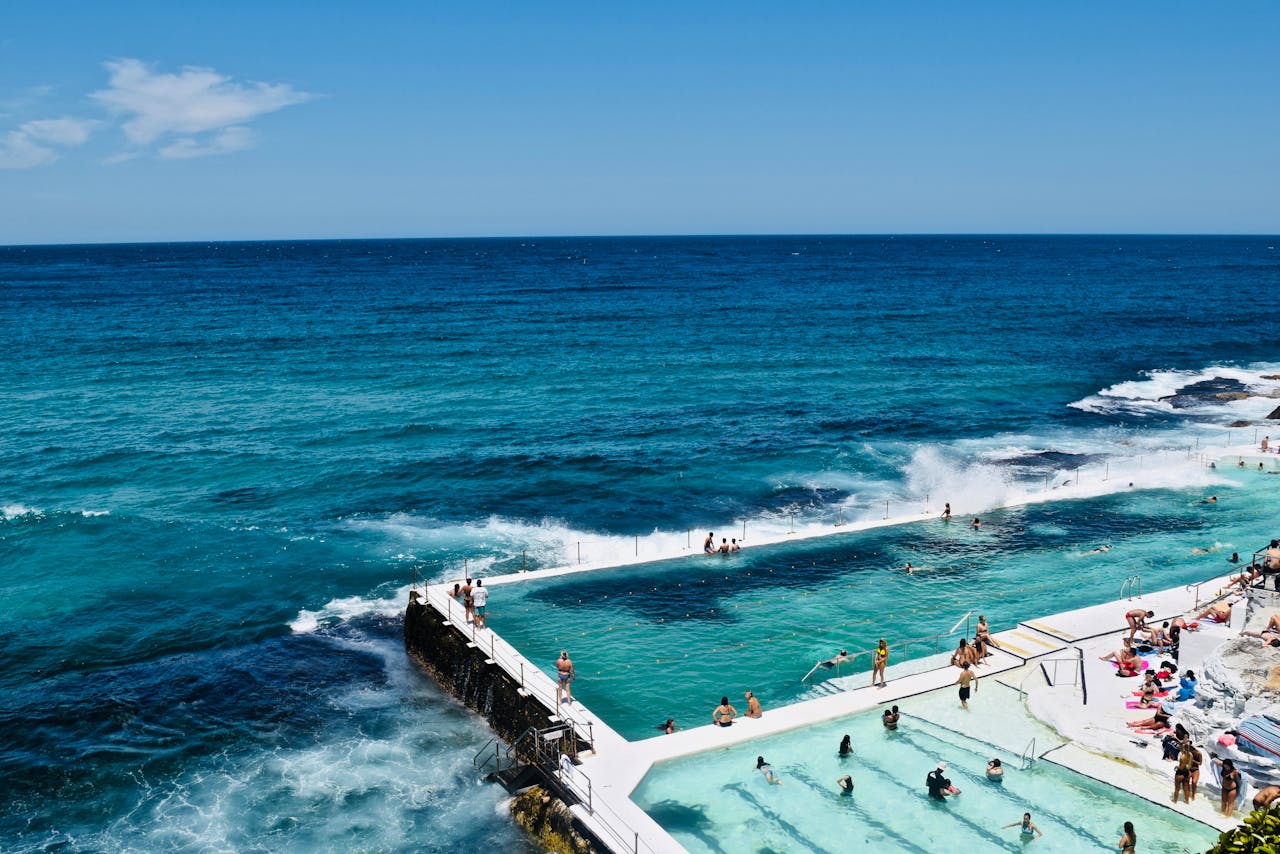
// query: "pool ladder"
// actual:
[[1132, 583], [1029, 754]]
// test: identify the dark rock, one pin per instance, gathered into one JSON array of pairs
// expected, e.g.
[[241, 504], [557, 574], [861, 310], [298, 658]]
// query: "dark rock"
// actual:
[[1240, 424], [1207, 391], [1275, 414], [1271, 376]]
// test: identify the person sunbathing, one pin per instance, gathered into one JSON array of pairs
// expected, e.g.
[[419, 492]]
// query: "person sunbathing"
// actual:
[[1245, 579], [1157, 722], [1127, 661], [1158, 637], [1219, 612]]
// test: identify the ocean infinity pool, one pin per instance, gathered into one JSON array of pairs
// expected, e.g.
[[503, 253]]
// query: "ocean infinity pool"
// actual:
[[668, 639], [717, 802]]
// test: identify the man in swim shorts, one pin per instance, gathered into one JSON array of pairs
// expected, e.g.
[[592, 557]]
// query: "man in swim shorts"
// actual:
[[709, 544], [564, 675], [964, 680], [1137, 618]]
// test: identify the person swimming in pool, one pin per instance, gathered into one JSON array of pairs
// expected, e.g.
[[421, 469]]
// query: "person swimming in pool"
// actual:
[[846, 785], [890, 718], [767, 770], [724, 713], [995, 771], [846, 746], [1027, 828]]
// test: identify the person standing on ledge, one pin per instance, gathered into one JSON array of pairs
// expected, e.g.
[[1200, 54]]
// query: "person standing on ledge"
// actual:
[[479, 596], [879, 660], [468, 604], [565, 675]]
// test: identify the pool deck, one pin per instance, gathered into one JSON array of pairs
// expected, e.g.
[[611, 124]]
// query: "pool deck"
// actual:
[[617, 766]]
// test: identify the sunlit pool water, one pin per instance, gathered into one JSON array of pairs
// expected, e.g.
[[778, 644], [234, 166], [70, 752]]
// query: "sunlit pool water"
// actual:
[[717, 802]]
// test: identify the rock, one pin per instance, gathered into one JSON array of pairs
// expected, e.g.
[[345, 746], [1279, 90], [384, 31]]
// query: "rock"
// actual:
[[1207, 391], [1240, 424], [1275, 414], [1231, 395], [1271, 376]]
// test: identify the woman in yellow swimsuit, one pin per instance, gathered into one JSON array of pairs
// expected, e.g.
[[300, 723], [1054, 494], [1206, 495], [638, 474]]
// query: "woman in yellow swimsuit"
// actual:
[[879, 661]]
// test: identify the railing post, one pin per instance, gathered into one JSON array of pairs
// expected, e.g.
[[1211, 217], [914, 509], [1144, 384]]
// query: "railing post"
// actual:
[[579, 551], [590, 806], [591, 734], [637, 545], [744, 529], [522, 673], [522, 560], [886, 508]]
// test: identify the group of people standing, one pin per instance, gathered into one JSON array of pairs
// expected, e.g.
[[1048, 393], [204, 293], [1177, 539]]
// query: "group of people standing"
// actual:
[[474, 598]]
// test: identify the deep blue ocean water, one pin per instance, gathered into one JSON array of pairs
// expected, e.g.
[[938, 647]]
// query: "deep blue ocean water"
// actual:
[[221, 464]]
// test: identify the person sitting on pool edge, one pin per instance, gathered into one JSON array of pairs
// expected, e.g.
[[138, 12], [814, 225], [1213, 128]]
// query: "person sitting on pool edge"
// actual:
[[753, 706], [890, 718], [724, 713]]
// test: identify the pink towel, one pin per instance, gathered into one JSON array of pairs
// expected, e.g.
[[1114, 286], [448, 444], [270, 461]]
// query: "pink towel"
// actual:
[[1137, 704]]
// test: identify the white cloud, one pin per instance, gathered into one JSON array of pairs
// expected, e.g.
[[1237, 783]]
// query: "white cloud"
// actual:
[[194, 113], [224, 142], [30, 145]]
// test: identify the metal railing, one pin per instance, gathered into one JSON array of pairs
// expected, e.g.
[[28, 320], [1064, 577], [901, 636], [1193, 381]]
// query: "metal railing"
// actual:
[[621, 835], [1132, 583], [1029, 754], [532, 681], [903, 646]]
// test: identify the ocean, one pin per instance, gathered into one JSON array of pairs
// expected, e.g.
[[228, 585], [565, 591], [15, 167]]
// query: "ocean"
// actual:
[[222, 465]]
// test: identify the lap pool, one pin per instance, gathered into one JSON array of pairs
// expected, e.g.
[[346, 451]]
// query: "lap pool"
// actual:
[[717, 802], [669, 639]]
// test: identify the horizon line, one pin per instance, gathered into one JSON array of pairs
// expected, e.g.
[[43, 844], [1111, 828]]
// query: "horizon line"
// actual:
[[668, 236]]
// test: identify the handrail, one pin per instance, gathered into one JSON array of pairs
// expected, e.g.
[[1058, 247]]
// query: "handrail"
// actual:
[[905, 644], [1028, 754], [570, 781], [1129, 584], [509, 659]]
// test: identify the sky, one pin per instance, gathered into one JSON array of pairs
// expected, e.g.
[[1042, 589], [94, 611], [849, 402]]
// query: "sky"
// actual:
[[147, 121]]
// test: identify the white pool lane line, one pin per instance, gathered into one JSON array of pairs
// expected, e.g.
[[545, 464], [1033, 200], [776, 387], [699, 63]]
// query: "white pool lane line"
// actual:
[[618, 765]]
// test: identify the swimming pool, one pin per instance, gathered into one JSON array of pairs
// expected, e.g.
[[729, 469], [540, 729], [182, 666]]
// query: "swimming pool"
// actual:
[[669, 639], [717, 802]]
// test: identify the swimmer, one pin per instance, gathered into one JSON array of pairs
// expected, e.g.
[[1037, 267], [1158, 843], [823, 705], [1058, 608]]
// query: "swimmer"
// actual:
[[767, 770], [1240, 462], [724, 713], [946, 512], [995, 771], [724, 546], [1100, 550], [846, 785], [890, 718], [835, 660], [668, 727], [976, 523], [735, 546], [846, 746], [1128, 843], [909, 569], [1029, 831], [1207, 551], [938, 784], [1212, 499], [753, 706]]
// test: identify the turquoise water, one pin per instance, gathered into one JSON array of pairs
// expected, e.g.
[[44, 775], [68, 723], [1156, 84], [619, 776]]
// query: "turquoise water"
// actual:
[[718, 802], [222, 464], [689, 631]]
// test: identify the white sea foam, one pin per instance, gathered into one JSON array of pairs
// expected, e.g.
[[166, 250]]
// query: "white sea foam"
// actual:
[[14, 511], [1144, 395], [91, 514]]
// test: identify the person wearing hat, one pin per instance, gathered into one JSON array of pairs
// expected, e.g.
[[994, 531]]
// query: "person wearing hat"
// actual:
[[939, 785]]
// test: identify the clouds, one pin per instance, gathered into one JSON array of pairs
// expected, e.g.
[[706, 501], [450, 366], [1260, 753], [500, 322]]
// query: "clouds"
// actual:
[[193, 113], [196, 112], [35, 143]]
